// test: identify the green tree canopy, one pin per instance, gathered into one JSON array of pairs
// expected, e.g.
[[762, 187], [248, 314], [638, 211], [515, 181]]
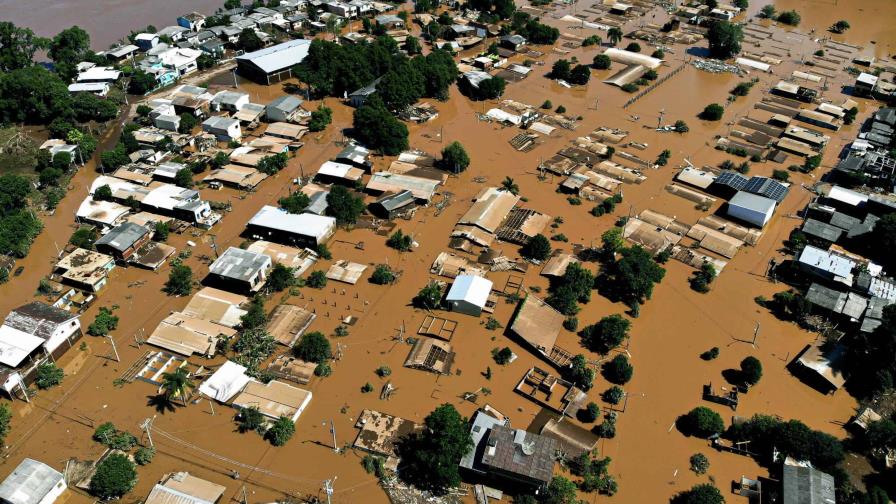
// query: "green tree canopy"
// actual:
[[538, 248], [724, 39], [454, 158], [402, 86], [281, 431], [750, 370], [704, 493], [378, 129], [114, 477], [104, 323], [701, 422], [631, 278], [280, 278], [607, 334], [180, 280], [430, 458], [344, 205], [313, 347], [429, 297], [618, 370], [18, 46], [67, 49], [249, 40], [295, 203]]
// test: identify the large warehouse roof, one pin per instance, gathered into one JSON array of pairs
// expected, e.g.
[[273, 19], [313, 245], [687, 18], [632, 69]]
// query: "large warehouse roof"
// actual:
[[278, 57]]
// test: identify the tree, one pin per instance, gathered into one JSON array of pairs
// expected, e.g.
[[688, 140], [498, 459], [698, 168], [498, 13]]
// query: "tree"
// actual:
[[430, 458], [840, 26], [573, 287], [790, 17], [400, 241], [724, 39], [161, 231], [580, 75], [681, 126], [502, 356], [66, 49], [632, 277], [295, 203], [701, 422], [580, 373], [750, 370], [320, 118], [401, 87], [703, 277], [510, 186], [618, 370], [607, 334], [412, 45], [5, 419], [103, 324], [589, 413], [114, 477], [144, 455], [560, 491], [18, 46], [633, 47], [317, 280], [184, 177], [538, 248], [704, 493], [249, 40], [176, 384], [378, 129], [180, 280], [870, 356], [454, 158], [281, 431], [615, 35], [281, 277], [613, 395], [250, 419], [561, 70], [602, 62], [429, 297], [712, 112], [255, 315], [742, 4], [382, 275], [273, 163], [344, 205], [488, 89], [699, 463], [187, 123], [141, 83], [767, 11], [439, 71], [49, 375], [84, 237], [313, 347]]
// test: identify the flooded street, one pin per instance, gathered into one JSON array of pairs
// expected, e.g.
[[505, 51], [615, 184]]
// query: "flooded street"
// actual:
[[649, 456]]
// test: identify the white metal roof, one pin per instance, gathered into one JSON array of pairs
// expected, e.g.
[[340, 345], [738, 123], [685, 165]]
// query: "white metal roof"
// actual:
[[846, 196], [226, 382], [317, 226], [89, 87], [471, 289], [280, 56], [824, 260], [753, 202], [16, 345], [99, 73], [632, 58], [334, 169], [30, 482]]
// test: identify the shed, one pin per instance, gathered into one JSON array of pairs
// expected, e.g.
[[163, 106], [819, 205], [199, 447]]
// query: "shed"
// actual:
[[751, 208], [288, 323], [537, 323], [218, 306], [224, 128], [32, 482], [284, 108], [821, 367], [123, 241], [469, 294], [391, 204]]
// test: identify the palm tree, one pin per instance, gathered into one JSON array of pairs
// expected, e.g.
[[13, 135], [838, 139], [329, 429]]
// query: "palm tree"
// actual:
[[510, 186], [615, 35], [176, 384]]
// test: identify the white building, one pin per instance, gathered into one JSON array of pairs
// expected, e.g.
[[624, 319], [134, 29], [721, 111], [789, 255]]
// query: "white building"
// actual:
[[469, 294], [751, 208], [275, 224], [224, 128], [32, 482], [182, 61], [30, 335], [231, 101]]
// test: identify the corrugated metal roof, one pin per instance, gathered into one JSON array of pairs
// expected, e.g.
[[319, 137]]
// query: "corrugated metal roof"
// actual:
[[278, 57], [29, 482]]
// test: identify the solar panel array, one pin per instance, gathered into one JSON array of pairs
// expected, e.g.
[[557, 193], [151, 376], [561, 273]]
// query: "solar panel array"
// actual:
[[732, 179], [767, 187]]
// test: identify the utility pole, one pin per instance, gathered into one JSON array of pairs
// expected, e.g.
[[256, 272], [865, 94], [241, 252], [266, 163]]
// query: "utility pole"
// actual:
[[333, 432], [659, 122], [114, 348], [147, 426], [214, 246], [328, 487], [755, 334]]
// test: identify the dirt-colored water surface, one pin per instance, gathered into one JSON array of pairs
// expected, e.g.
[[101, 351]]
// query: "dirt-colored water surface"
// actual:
[[650, 457]]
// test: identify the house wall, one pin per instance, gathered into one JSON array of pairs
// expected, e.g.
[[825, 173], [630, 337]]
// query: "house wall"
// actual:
[[465, 308], [758, 219]]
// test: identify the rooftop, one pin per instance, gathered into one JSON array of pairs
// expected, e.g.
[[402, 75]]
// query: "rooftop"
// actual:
[[239, 264], [278, 57], [471, 289], [519, 452], [30, 482], [123, 236], [316, 226]]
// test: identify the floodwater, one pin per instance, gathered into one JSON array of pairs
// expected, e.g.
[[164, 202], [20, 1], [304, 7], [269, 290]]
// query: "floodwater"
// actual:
[[650, 458], [106, 21]]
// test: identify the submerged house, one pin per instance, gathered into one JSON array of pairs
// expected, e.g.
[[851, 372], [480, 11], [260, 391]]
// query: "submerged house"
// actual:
[[32, 482], [469, 294], [30, 335], [241, 269]]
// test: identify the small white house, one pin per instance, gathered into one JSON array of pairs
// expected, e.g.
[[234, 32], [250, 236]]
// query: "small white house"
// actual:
[[224, 128], [146, 41], [469, 294], [231, 101], [32, 482]]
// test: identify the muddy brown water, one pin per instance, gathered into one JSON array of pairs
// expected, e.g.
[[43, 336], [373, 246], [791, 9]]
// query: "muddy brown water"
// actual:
[[650, 458]]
